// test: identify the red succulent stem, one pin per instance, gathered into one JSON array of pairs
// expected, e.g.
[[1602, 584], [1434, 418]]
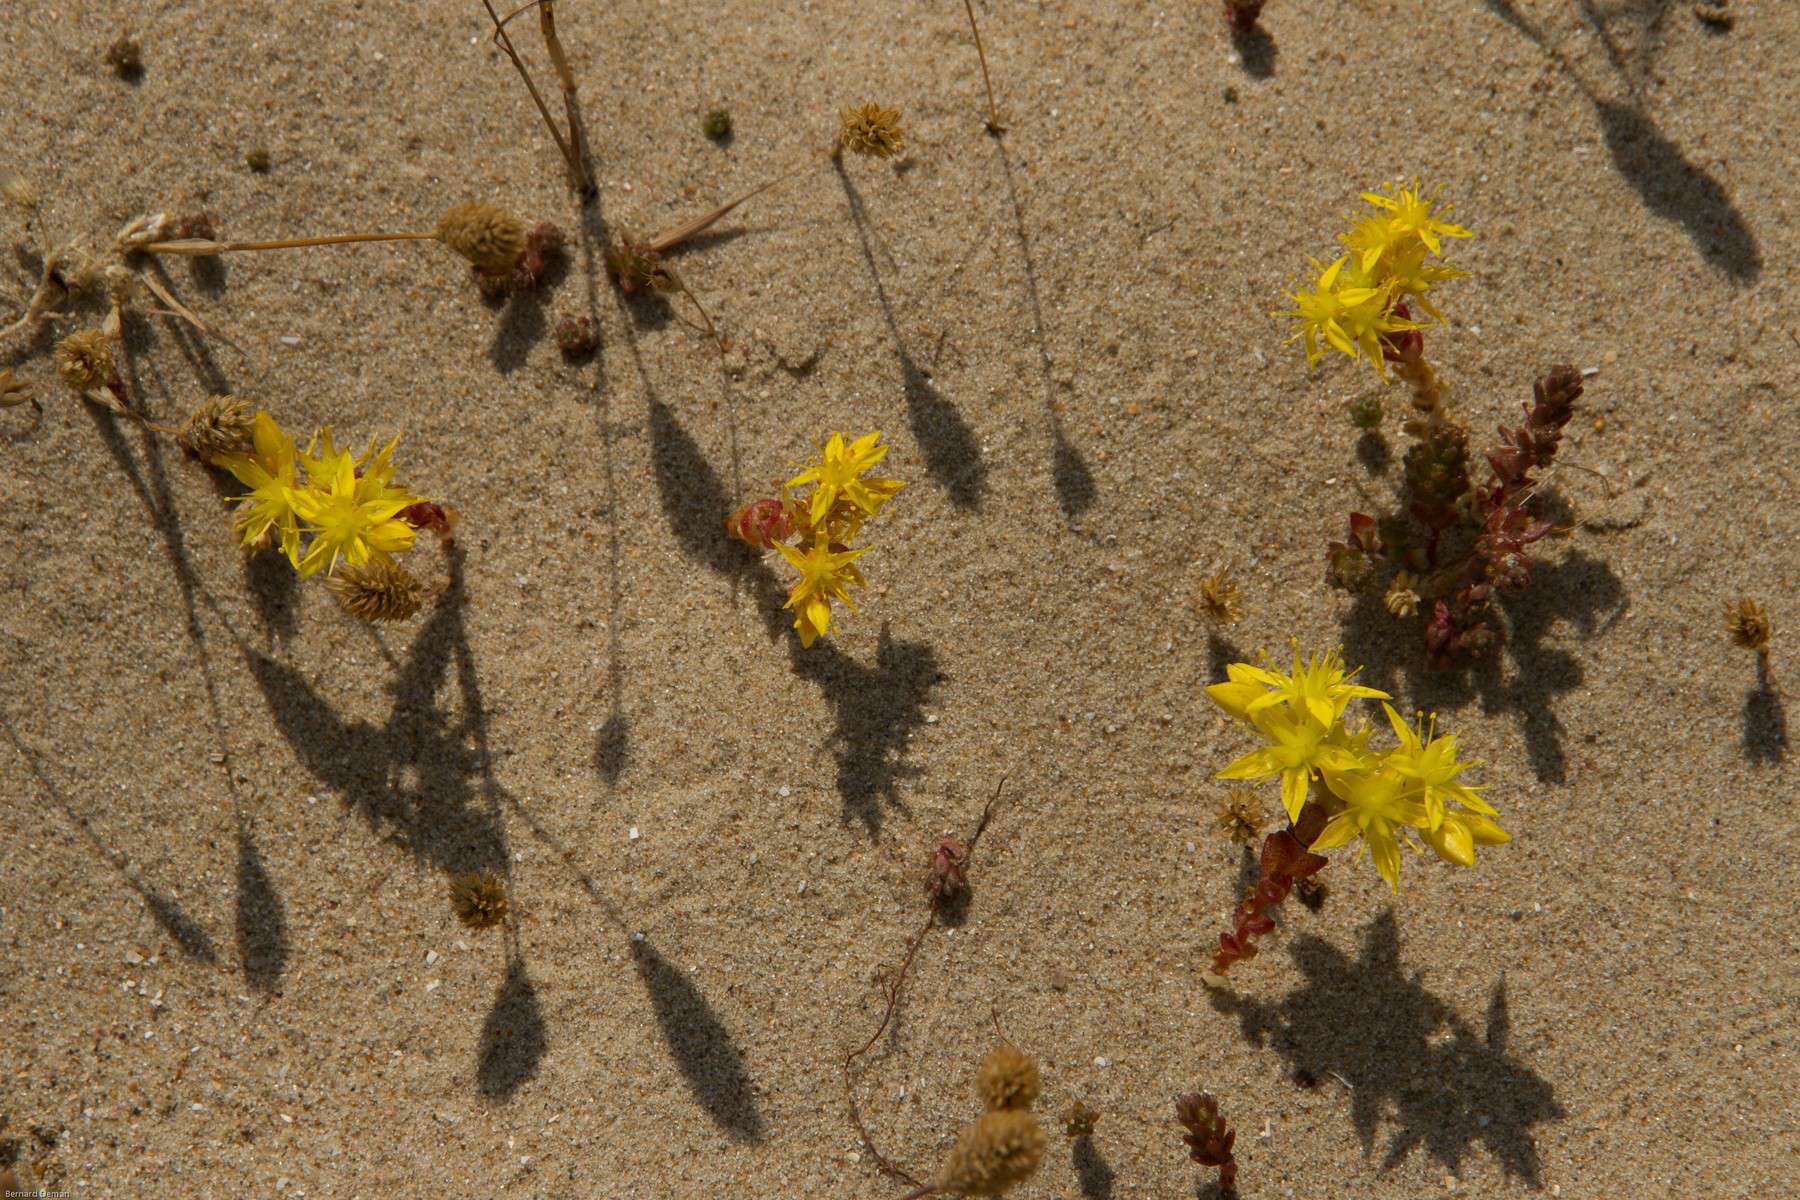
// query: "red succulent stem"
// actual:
[[1285, 861]]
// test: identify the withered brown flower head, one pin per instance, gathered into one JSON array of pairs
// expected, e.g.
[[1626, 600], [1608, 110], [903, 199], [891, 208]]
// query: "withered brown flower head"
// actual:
[[1402, 597], [220, 425], [1748, 625], [1219, 599], [479, 899], [1241, 815], [491, 238], [84, 360], [996, 1153], [1007, 1079], [871, 130], [378, 590], [948, 874], [1080, 1119]]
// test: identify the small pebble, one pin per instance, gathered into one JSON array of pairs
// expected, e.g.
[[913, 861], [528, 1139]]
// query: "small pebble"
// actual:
[[633, 835], [288, 339], [431, 956], [783, 791], [1103, 1063]]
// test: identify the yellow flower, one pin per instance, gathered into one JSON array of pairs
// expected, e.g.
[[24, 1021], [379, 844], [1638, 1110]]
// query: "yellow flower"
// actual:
[[1431, 764], [268, 471], [1377, 804], [1455, 840], [825, 575], [1348, 312], [350, 508], [838, 473], [1297, 747], [1408, 275], [1320, 688], [1410, 215]]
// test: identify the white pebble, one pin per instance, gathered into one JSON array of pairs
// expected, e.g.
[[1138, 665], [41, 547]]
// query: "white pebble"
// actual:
[[633, 835], [1103, 1063], [433, 985], [431, 956], [783, 791], [288, 339]]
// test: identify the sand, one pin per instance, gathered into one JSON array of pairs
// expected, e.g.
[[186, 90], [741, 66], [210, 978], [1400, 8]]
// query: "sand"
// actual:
[[231, 812]]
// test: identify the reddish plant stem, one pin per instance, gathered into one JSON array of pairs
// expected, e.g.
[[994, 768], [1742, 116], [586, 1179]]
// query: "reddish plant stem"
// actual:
[[1285, 861]]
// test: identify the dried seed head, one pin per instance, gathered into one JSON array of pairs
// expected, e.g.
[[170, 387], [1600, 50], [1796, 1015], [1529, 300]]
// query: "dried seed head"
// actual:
[[221, 425], [13, 391], [717, 125], [1241, 815], [378, 590], [1748, 625], [479, 899], [1402, 597], [257, 159], [871, 130], [1219, 599], [125, 57], [84, 360], [997, 1152], [1007, 1079], [489, 237], [18, 191], [1080, 1119]]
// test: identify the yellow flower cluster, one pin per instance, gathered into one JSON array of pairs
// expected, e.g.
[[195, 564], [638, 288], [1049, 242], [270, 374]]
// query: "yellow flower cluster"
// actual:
[[824, 524], [1364, 294], [1375, 796], [347, 507]]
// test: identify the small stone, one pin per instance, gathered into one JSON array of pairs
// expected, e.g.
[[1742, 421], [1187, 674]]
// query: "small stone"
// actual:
[[288, 339], [633, 835], [1103, 1063], [431, 957]]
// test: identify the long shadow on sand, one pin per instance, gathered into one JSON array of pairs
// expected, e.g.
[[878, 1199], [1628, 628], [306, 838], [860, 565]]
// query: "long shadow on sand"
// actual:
[[424, 781], [952, 451], [1408, 1058], [1670, 185]]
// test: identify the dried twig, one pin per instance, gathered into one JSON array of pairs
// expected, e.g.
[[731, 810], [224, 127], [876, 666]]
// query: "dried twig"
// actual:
[[578, 177]]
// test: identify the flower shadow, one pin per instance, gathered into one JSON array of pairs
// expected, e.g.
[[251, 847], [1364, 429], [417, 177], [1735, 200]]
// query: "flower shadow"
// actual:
[[1408, 1059]]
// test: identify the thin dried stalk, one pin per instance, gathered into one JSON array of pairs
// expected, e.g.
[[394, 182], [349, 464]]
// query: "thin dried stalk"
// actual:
[[993, 122], [571, 109], [206, 248], [672, 238], [577, 177]]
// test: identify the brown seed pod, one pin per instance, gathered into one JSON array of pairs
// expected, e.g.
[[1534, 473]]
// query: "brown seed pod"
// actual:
[[221, 425], [1007, 1079], [1219, 599], [378, 590], [491, 238], [871, 130], [1748, 624], [479, 899], [1241, 815], [996, 1153], [1080, 1119], [84, 360]]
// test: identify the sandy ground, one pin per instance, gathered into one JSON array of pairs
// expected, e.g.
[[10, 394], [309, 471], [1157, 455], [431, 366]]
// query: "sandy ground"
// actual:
[[230, 812]]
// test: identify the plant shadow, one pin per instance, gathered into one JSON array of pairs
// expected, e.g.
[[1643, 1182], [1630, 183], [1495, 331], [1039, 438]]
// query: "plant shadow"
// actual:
[[1094, 1172], [1579, 589], [513, 1037], [1667, 182], [1257, 50], [1405, 1054], [262, 938], [951, 450], [1070, 477], [1765, 719], [704, 1051]]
